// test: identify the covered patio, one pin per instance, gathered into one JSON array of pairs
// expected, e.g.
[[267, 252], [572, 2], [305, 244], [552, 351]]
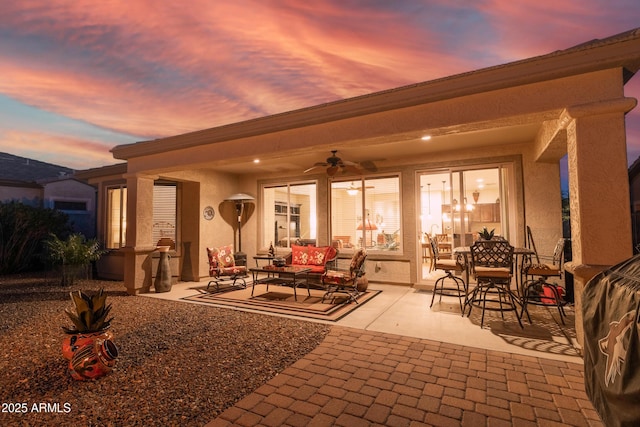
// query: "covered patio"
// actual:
[[520, 119]]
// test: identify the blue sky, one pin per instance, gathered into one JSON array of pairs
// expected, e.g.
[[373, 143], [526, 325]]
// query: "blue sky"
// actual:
[[78, 78]]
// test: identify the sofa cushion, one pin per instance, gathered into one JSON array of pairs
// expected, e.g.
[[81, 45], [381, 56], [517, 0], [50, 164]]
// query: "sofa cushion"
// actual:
[[317, 269], [299, 255], [317, 255]]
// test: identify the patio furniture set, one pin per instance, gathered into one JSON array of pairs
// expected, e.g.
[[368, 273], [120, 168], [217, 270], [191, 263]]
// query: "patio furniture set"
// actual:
[[496, 265], [305, 266]]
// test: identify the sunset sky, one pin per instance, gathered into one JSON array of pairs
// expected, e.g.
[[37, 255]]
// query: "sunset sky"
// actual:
[[79, 77]]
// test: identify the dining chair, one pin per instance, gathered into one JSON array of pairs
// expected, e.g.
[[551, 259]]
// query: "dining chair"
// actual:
[[445, 246], [492, 267], [536, 288], [449, 266]]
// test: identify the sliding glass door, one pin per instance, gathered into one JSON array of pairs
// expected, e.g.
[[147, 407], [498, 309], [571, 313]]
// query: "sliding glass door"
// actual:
[[456, 204]]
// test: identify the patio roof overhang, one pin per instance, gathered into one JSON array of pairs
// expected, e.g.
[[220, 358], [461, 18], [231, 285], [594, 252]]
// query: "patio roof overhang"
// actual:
[[390, 124]]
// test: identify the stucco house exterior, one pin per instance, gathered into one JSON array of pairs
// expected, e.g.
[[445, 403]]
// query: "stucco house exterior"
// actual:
[[41, 184], [446, 156]]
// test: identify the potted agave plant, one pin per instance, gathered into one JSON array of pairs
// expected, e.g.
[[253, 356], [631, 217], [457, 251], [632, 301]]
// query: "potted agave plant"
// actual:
[[88, 344], [485, 234], [89, 321]]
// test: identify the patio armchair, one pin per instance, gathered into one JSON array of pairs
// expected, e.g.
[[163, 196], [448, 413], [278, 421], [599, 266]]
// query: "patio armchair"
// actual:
[[448, 266], [492, 266], [223, 268], [345, 282], [536, 289]]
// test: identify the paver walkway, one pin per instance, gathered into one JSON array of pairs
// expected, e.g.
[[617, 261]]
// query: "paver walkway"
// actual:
[[363, 378]]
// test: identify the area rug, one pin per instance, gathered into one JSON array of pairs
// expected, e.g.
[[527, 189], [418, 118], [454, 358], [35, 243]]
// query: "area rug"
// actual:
[[280, 300]]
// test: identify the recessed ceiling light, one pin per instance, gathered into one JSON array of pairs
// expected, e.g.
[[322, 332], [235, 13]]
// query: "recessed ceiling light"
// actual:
[[426, 137], [256, 160]]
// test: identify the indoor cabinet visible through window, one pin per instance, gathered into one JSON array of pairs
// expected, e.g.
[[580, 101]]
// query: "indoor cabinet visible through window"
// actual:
[[289, 214], [366, 213]]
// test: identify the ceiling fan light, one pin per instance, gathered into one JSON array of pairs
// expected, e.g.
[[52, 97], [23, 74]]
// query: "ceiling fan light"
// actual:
[[332, 170], [352, 191]]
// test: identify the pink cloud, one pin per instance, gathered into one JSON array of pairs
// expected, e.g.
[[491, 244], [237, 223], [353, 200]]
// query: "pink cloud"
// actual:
[[534, 27], [152, 69], [161, 70], [71, 152]]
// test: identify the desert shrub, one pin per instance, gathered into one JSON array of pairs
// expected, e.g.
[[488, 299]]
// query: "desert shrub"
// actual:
[[23, 231], [74, 254]]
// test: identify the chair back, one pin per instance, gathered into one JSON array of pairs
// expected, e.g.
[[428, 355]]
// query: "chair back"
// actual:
[[356, 268], [492, 253], [531, 244], [434, 248], [558, 253]]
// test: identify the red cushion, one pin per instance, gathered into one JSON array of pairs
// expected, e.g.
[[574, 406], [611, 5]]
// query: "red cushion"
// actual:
[[212, 254], [316, 268], [232, 271], [317, 255], [225, 256], [299, 255]]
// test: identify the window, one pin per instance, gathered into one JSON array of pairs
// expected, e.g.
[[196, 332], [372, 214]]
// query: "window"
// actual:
[[66, 205], [366, 213], [116, 217], [289, 214], [164, 215]]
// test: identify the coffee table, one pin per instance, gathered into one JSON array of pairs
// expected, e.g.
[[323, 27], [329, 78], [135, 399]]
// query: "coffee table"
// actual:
[[288, 276]]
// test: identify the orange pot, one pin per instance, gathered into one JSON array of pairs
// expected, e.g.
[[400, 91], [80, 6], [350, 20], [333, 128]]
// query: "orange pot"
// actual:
[[94, 360], [74, 341]]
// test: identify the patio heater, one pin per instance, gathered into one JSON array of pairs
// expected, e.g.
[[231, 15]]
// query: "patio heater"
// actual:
[[240, 199]]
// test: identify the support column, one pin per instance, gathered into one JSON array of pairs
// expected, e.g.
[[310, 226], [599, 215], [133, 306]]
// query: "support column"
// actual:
[[598, 191], [138, 249]]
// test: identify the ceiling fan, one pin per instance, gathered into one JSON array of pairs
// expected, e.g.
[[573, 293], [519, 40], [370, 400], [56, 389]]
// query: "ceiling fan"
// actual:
[[334, 164], [352, 190]]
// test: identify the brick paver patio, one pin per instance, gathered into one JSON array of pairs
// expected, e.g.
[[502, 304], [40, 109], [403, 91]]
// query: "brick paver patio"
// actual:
[[364, 378]]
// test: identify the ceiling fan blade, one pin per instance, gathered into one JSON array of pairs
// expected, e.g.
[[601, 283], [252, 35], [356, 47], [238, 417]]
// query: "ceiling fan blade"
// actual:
[[312, 168], [351, 168], [369, 166]]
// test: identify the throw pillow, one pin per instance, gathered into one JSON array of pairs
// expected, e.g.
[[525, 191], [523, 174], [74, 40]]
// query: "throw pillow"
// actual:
[[225, 256], [299, 255], [318, 255]]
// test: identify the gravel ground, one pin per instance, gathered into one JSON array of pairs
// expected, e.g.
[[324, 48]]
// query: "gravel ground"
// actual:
[[180, 364]]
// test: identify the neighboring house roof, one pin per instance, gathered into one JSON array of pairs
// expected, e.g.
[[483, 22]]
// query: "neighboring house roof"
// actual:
[[21, 169], [634, 169]]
